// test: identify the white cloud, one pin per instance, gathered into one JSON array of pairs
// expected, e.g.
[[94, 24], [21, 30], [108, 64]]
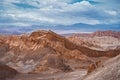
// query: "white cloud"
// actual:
[[58, 12], [15, 24], [111, 12]]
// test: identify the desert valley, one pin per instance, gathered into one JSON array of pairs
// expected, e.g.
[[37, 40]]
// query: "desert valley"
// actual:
[[45, 55], [59, 39]]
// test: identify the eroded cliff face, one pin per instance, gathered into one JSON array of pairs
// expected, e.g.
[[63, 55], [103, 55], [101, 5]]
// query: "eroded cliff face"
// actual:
[[36, 52]]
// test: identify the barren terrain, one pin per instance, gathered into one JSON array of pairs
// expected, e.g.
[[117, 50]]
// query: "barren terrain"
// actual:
[[45, 55]]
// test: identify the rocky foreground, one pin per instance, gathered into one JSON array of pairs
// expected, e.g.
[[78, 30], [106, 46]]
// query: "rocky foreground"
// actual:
[[45, 55], [110, 70]]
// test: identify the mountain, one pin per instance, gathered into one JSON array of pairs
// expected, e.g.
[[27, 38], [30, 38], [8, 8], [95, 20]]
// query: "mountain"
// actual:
[[60, 29], [45, 52], [107, 33], [27, 52], [99, 40], [115, 34]]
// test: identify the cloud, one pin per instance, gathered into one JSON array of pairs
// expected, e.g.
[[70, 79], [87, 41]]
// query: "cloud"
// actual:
[[58, 12], [110, 12]]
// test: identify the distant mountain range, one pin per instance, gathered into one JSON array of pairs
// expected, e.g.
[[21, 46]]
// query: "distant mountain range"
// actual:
[[101, 40], [115, 34], [60, 29]]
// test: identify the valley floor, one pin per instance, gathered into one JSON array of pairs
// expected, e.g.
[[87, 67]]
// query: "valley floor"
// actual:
[[75, 75]]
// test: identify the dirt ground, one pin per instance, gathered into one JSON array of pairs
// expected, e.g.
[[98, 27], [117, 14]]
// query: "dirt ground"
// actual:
[[75, 75]]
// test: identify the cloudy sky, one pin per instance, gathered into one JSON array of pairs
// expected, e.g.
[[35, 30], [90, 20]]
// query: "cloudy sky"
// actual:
[[61, 16]]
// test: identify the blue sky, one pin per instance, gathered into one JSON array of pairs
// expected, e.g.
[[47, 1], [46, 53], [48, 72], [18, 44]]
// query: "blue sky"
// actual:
[[62, 16]]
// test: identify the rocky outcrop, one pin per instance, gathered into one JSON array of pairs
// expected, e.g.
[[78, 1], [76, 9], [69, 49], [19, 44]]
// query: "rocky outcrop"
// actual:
[[110, 71], [93, 66]]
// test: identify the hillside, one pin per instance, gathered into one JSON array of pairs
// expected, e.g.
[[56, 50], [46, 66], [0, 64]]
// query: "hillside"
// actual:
[[99, 40], [115, 34], [46, 51], [110, 71]]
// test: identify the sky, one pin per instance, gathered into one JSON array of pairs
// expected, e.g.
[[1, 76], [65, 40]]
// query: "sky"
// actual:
[[61, 16]]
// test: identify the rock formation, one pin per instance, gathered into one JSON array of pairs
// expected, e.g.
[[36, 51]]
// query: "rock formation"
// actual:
[[110, 71], [38, 50], [99, 40], [93, 66]]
